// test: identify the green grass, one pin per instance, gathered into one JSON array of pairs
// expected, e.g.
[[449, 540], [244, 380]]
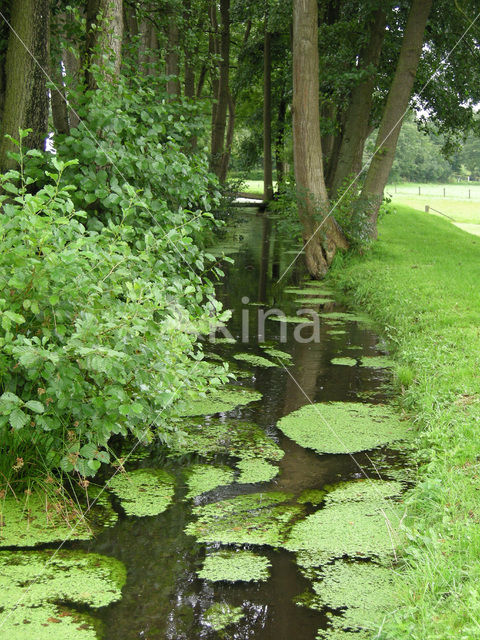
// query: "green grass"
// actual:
[[256, 186], [421, 282]]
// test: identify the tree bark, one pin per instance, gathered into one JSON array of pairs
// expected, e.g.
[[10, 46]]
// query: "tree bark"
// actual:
[[173, 57], [104, 38], [223, 96], [356, 126], [58, 100], [280, 141], [395, 109], [267, 115], [148, 57], [26, 97], [321, 234]]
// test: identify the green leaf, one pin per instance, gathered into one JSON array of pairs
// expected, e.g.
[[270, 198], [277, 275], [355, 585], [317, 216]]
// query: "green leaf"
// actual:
[[10, 397], [35, 405], [18, 419]]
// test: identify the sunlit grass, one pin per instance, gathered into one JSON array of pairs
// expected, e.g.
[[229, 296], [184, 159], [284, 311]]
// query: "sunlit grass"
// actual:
[[421, 282]]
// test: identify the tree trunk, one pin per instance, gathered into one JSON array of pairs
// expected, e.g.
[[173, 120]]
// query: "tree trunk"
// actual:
[[321, 234], [58, 100], [267, 116], [280, 141], [148, 57], [395, 109], [26, 97], [172, 57], [357, 117], [104, 38], [223, 96]]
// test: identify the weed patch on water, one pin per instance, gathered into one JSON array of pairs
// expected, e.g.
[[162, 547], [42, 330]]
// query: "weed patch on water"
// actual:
[[302, 319], [258, 518], [222, 615], [34, 585], [143, 492], [256, 361], [219, 401], [39, 519], [346, 362], [204, 477], [235, 566], [306, 301], [376, 362], [343, 427], [276, 353], [359, 520], [254, 470], [233, 438]]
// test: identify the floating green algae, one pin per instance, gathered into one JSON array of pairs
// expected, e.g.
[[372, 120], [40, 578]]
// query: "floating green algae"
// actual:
[[257, 518], [376, 362], [235, 566], [143, 492], [311, 291], [311, 496], [222, 615], [276, 353], [359, 520], [39, 519], [343, 427], [234, 438], [342, 315], [34, 584], [205, 477], [224, 340], [338, 332], [257, 361], [346, 362], [256, 470], [364, 592], [306, 301], [219, 401], [303, 319]]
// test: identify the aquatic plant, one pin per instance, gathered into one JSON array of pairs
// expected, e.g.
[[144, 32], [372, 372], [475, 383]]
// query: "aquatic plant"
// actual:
[[306, 301], [256, 361], [303, 319], [256, 470], [219, 401], [205, 477], [359, 520], [235, 566], [376, 362], [342, 315], [39, 519], [343, 427], [311, 496], [276, 353], [33, 585], [258, 518], [310, 291], [364, 592], [221, 615], [234, 438], [338, 332], [143, 492], [347, 362]]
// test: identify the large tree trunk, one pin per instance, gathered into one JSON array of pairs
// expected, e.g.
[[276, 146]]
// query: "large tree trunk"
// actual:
[[104, 38], [173, 56], [321, 234], [267, 116], [58, 95], [357, 117], [223, 95], [280, 141], [395, 109], [26, 98]]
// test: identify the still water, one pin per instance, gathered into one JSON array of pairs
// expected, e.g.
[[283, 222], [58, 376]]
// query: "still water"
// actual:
[[163, 597]]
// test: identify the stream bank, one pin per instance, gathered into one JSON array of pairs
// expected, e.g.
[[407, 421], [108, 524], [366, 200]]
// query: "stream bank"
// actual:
[[253, 492]]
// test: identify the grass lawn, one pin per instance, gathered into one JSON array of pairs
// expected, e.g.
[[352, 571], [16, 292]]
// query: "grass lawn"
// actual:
[[421, 281]]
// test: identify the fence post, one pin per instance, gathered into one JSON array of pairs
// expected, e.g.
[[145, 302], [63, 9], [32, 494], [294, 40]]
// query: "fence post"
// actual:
[[444, 192], [427, 208], [418, 190], [469, 196]]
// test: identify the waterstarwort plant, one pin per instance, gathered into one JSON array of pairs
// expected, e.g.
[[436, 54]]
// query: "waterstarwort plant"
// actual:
[[90, 341]]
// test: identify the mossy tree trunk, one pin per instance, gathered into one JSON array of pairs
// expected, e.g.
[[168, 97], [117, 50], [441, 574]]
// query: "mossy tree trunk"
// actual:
[[357, 118], [104, 38], [395, 109], [267, 115], [222, 96], [26, 97], [322, 236]]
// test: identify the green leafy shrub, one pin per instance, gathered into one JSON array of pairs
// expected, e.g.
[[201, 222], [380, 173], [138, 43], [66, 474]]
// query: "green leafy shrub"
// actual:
[[98, 326]]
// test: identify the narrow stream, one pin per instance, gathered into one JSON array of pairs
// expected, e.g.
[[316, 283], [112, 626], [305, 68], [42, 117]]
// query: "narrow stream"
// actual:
[[163, 597]]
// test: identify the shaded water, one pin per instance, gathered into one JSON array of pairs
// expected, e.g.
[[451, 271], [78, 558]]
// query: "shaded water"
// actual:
[[163, 598]]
